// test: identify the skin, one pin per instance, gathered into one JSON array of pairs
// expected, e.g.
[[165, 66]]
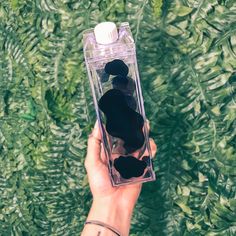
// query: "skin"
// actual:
[[111, 205]]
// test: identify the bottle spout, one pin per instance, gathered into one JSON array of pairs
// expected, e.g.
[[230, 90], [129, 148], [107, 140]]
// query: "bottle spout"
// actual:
[[106, 32]]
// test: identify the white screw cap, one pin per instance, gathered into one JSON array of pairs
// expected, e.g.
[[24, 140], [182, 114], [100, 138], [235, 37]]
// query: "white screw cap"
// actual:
[[106, 32]]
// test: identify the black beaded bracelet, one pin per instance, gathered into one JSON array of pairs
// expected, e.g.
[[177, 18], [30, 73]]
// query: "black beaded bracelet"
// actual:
[[96, 222]]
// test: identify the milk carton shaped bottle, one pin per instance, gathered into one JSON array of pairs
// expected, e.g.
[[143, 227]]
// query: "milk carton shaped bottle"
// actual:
[[110, 58]]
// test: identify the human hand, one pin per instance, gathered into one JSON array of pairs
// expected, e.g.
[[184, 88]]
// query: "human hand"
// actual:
[[98, 174]]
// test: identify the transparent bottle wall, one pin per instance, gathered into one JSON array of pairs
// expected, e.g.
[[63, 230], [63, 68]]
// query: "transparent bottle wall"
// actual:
[[119, 107]]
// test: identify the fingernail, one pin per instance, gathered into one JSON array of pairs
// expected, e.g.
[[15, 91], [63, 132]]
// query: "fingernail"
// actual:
[[96, 129], [96, 124]]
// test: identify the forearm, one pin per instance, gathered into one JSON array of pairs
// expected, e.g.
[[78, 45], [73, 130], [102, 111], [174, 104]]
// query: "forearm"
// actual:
[[110, 212]]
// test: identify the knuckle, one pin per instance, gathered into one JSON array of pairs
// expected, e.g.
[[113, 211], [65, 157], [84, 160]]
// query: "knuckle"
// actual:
[[152, 142], [90, 138], [153, 147], [86, 163]]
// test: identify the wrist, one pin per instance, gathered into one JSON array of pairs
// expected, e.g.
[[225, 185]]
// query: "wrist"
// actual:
[[112, 212], [117, 202]]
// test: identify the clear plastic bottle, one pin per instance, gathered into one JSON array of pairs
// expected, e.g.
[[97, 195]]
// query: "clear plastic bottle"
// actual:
[[111, 64]]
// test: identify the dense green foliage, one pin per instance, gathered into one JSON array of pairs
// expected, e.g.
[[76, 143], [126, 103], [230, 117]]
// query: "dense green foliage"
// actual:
[[186, 51]]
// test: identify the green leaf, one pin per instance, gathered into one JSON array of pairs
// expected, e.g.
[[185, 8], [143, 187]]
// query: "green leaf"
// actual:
[[182, 10]]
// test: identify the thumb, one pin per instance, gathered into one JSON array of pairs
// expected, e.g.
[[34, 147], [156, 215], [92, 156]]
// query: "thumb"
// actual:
[[94, 147]]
